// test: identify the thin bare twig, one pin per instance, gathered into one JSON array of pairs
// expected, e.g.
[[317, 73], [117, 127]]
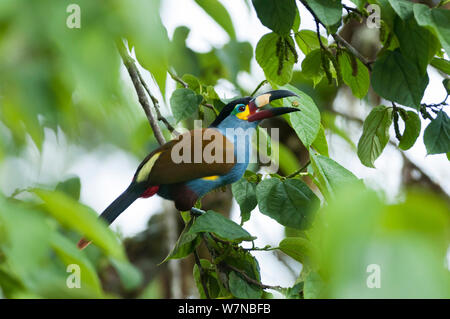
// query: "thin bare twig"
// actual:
[[395, 116], [300, 170], [319, 37], [219, 268], [155, 101], [349, 9], [134, 75], [178, 79], [258, 87], [251, 280], [210, 106]]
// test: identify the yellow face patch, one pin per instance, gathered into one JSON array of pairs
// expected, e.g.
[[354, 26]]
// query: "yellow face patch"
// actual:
[[244, 115], [147, 168]]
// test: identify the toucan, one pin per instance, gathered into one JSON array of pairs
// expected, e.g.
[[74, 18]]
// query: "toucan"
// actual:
[[198, 161]]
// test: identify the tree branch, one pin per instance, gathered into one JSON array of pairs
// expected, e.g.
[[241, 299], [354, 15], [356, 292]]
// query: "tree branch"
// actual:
[[395, 117], [258, 87], [220, 264], [300, 170], [251, 280], [339, 39], [350, 9], [135, 78], [352, 50], [155, 102], [178, 79], [202, 274]]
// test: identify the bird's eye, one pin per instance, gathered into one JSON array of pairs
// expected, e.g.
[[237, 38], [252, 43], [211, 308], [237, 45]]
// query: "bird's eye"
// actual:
[[241, 108]]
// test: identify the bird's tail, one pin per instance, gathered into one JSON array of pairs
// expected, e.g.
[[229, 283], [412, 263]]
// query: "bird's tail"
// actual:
[[121, 203]]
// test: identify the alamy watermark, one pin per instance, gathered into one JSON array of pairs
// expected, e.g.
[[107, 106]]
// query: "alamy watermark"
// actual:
[[73, 20], [74, 279], [373, 20], [374, 279]]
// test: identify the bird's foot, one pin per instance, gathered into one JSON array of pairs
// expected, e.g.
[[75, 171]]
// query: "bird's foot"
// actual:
[[197, 212]]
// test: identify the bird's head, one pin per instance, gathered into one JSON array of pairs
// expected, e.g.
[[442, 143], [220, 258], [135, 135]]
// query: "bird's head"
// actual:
[[253, 109]]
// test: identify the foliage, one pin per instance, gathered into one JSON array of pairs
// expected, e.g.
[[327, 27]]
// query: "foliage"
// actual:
[[68, 81]]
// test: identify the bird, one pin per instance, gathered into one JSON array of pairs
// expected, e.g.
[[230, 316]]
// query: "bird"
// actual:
[[194, 163]]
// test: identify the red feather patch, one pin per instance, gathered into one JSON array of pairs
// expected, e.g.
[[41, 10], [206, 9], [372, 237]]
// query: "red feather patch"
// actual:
[[149, 192]]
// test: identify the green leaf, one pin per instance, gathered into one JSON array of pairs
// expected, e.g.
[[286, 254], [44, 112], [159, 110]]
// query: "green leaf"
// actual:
[[71, 187], [297, 248], [218, 12], [416, 43], [329, 12], [184, 103], [277, 15], [306, 123], [186, 243], [23, 253], [329, 122], [145, 16], [297, 21], [69, 254], [130, 276], [397, 79], [267, 58], [441, 64], [446, 84], [312, 66], [404, 8], [320, 143], [288, 160], [359, 3], [375, 135], [81, 218], [412, 130], [236, 56], [313, 286], [354, 74], [245, 194], [294, 292], [331, 175], [437, 134], [193, 82], [221, 226], [290, 202], [437, 20], [359, 228], [183, 59], [244, 261], [240, 288], [307, 41]]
